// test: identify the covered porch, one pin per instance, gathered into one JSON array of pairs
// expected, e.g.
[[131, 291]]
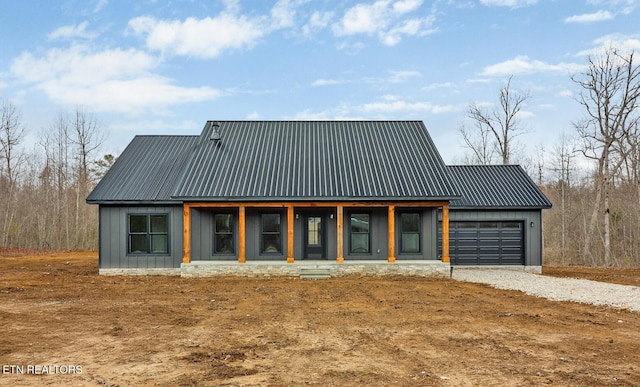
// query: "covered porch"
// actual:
[[300, 232]]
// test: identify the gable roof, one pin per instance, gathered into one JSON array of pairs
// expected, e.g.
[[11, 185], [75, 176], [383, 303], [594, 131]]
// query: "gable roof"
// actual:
[[281, 160], [315, 160], [146, 171], [496, 187]]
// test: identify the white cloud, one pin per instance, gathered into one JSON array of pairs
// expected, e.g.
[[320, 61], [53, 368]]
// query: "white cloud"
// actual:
[[622, 6], [624, 43], [326, 82], [210, 37], [317, 21], [441, 85], [590, 17], [253, 116], [384, 18], [283, 13], [393, 105], [202, 38], [100, 4], [566, 93], [523, 65], [405, 6], [508, 3], [363, 18], [71, 32], [413, 27], [108, 80], [403, 76]]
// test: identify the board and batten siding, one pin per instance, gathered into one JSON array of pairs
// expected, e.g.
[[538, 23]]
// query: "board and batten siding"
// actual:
[[113, 238], [532, 223]]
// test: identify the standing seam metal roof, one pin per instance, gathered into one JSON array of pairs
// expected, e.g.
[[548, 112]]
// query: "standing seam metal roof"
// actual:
[[316, 160], [496, 187], [146, 171]]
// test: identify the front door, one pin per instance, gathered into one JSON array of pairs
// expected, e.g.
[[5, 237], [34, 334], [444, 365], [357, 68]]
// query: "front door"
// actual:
[[314, 237]]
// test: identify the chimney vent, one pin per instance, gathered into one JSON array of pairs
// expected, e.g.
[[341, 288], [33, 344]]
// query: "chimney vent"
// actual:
[[215, 132]]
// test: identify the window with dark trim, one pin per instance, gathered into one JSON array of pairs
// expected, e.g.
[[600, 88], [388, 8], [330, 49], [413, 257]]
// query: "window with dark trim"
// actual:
[[360, 233], [148, 234], [223, 238], [410, 233], [270, 238]]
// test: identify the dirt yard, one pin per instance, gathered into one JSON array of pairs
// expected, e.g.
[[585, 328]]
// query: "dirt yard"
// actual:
[[56, 312]]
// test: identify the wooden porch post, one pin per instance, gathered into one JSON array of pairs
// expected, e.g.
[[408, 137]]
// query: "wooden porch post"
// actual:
[[445, 233], [242, 239], [290, 258], [186, 233], [340, 225], [392, 234]]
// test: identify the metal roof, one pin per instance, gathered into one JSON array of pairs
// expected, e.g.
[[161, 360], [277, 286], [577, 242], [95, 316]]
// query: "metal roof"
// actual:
[[496, 187], [146, 171], [315, 160]]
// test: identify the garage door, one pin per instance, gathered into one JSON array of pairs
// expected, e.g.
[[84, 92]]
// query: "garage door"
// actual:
[[485, 243]]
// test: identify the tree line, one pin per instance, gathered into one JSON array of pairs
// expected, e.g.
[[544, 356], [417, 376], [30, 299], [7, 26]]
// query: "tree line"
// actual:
[[43, 189]]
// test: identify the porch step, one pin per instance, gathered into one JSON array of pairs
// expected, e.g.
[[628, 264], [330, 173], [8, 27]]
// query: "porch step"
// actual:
[[315, 273]]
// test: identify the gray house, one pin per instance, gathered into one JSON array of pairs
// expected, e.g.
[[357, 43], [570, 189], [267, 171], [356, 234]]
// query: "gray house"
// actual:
[[278, 195]]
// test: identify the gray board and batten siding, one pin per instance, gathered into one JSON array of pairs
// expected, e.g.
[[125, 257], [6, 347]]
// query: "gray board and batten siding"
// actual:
[[113, 244]]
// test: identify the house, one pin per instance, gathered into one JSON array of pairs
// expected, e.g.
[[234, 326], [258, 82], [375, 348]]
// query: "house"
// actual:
[[277, 197]]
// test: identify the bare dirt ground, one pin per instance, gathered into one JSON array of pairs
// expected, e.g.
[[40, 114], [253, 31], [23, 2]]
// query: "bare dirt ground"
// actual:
[[55, 310]]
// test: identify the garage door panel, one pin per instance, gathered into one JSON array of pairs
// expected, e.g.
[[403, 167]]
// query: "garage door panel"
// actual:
[[486, 243]]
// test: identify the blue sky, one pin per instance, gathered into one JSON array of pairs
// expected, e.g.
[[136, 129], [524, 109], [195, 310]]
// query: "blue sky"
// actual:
[[165, 67]]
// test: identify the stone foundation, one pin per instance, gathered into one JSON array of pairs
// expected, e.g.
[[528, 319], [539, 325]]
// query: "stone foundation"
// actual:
[[254, 269]]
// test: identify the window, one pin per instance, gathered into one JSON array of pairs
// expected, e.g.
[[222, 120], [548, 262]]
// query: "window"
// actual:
[[410, 233], [360, 234], [223, 240], [271, 241], [314, 230], [148, 234]]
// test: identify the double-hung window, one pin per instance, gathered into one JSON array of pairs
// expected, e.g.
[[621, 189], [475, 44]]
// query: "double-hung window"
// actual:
[[410, 233], [271, 239], [148, 234], [360, 233], [223, 239]]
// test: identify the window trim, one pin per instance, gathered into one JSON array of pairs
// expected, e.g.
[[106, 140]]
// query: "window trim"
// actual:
[[263, 233], [419, 233], [148, 234], [351, 233], [216, 233]]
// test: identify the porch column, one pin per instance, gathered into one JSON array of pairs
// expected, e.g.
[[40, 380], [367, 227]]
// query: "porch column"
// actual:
[[340, 225], [445, 233], [242, 238], [392, 234], [186, 233], [290, 258]]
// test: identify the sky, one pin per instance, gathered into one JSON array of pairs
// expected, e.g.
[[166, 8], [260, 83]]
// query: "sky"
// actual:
[[166, 67]]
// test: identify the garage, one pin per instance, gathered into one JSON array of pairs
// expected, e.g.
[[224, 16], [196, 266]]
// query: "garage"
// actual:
[[498, 219], [486, 243]]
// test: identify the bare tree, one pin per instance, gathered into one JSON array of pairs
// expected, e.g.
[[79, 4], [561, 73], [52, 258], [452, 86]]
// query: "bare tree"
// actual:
[[11, 134], [479, 143], [610, 96], [563, 155], [87, 138], [501, 124]]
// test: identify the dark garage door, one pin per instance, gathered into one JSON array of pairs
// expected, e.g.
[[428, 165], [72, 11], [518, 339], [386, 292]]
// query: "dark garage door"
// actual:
[[485, 243]]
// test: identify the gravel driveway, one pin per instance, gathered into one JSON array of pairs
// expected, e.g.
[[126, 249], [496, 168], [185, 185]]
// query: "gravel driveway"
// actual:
[[557, 289]]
